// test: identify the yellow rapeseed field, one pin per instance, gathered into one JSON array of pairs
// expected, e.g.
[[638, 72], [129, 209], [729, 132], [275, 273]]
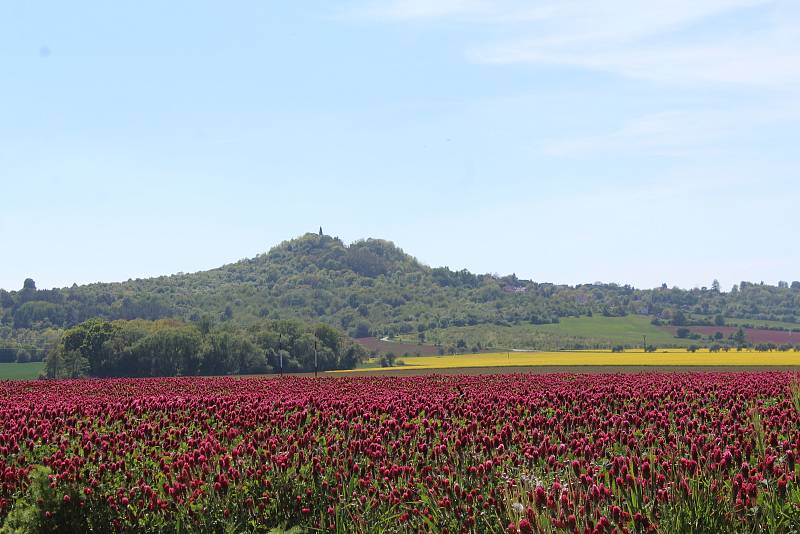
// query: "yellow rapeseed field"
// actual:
[[660, 358]]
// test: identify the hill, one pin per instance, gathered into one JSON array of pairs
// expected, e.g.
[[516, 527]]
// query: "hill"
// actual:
[[372, 287]]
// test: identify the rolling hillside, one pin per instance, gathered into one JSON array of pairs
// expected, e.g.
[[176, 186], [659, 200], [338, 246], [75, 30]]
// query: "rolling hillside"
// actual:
[[372, 287]]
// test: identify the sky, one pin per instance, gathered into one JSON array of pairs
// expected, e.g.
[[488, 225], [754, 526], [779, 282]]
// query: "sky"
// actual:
[[568, 141]]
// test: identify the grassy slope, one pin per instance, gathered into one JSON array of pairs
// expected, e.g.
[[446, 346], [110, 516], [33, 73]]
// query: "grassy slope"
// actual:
[[20, 371], [624, 330], [594, 331]]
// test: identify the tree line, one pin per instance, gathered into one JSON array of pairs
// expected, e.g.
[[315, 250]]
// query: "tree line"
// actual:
[[168, 347]]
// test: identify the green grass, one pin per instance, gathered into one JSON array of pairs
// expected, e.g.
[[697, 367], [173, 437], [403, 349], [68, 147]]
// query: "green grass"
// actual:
[[20, 371], [570, 333], [626, 330]]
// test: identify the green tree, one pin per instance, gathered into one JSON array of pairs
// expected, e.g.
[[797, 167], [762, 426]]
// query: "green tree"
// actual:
[[6, 300], [168, 351], [87, 339], [362, 329], [54, 363], [32, 312], [232, 353], [679, 318], [75, 365], [740, 337]]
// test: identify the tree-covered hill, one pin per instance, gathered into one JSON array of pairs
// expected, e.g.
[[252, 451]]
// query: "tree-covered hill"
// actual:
[[372, 287]]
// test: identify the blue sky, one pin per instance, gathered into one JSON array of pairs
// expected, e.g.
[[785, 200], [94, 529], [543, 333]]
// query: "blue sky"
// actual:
[[567, 141]]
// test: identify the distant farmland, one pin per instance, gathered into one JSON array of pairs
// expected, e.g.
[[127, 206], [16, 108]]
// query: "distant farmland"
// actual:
[[568, 333], [665, 358], [20, 371], [373, 344], [753, 335], [572, 333]]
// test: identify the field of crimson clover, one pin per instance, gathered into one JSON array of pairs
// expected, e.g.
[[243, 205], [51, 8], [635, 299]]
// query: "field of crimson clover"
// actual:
[[653, 452]]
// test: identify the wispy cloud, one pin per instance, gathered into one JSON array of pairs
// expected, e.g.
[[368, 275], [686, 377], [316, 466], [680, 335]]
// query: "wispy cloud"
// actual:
[[722, 77], [676, 42], [681, 132], [620, 18], [773, 60]]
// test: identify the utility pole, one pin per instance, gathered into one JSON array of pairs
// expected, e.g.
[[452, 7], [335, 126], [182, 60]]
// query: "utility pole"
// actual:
[[315, 359], [644, 343]]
